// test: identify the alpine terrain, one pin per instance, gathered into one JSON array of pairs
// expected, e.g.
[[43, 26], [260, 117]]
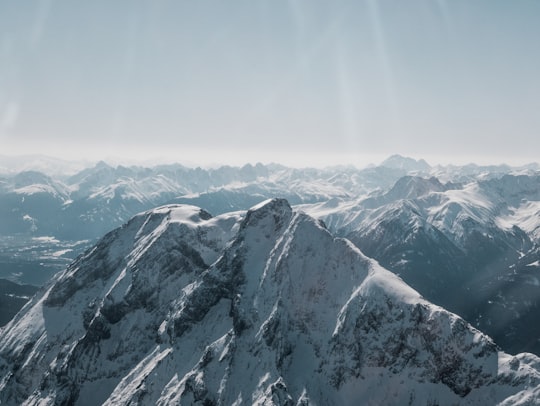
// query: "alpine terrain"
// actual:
[[466, 238], [472, 247], [263, 307]]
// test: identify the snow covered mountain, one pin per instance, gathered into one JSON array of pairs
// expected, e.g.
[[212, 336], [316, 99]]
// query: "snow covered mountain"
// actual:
[[407, 164], [467, 238], [93, 201], [472, 248], [262, 307]]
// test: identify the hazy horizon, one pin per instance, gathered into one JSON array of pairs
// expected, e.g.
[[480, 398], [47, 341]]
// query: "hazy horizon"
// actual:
[[12, 163]]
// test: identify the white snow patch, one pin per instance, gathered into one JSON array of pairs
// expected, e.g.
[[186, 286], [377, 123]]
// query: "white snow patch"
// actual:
[[59, 253], [526, 217], [45, 239], [35, 189]]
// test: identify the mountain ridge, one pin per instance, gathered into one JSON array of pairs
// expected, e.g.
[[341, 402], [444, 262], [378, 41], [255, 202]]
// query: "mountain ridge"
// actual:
[[258, 307]]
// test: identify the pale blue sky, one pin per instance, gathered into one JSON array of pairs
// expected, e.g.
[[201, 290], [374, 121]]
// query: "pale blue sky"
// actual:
[[304, 81]]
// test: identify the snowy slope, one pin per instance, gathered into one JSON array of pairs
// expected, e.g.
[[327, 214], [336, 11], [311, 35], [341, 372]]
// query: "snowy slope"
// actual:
[[265, 307], [469, 247]]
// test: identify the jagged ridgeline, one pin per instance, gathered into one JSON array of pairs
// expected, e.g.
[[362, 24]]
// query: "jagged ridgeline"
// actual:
[[260, 307]]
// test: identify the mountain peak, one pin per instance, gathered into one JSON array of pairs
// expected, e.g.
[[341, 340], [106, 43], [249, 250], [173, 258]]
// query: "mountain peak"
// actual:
[[102, 165], [277, 208], [275, 204], [411, 187], [405, 163]]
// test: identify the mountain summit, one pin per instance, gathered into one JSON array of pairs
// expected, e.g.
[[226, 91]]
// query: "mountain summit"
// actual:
[[406, 163], [261, 307]]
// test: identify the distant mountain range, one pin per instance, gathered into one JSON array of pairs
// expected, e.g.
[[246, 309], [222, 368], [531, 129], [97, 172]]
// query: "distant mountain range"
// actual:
[[93, 201]]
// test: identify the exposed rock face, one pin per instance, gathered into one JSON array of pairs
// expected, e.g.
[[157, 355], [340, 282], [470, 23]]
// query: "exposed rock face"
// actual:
[[264, 307]]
